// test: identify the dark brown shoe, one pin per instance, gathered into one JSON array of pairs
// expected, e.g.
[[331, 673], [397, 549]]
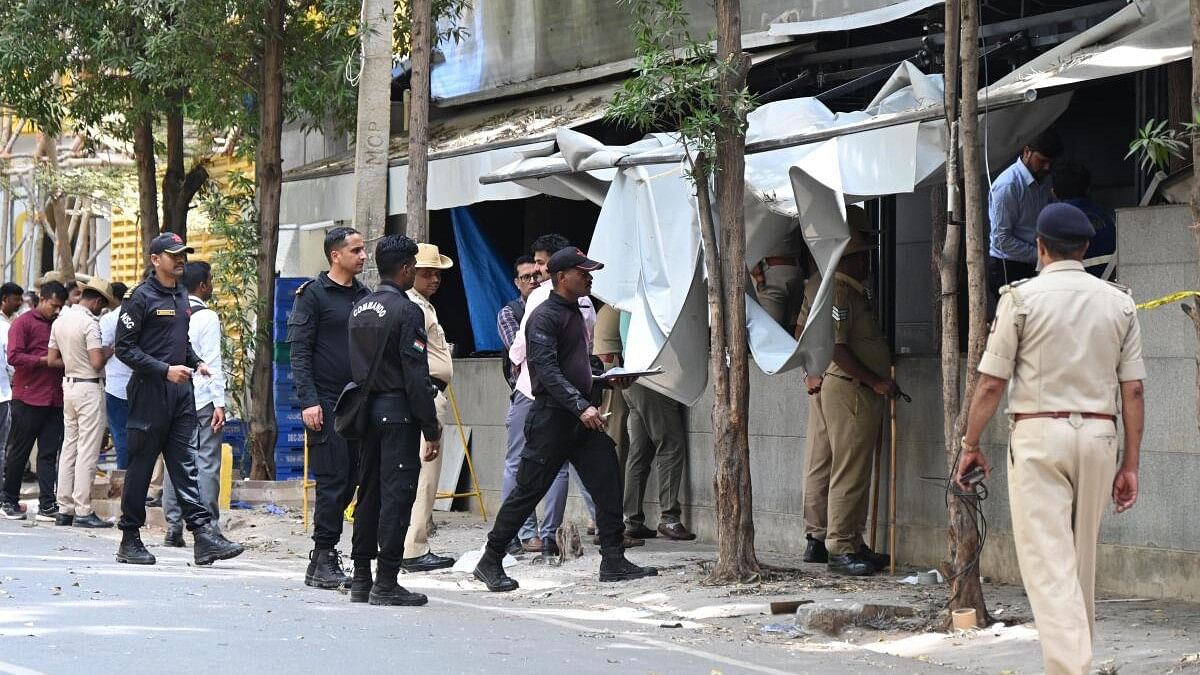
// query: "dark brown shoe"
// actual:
[[533, 545], [675, 531]]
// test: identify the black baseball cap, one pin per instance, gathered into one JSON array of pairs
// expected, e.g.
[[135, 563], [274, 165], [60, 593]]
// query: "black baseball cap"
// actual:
[[1065, 223], [169, 242], [567, 258]]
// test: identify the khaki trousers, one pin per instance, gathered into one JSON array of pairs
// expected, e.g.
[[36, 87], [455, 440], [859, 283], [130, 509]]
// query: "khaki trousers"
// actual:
[[780, 293], [1059, 480], [416, 542], [83, 432], [843, 424], [613, 403]]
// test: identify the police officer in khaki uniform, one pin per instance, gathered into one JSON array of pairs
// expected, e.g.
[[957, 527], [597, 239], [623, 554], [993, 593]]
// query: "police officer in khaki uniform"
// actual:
[[844, 418], [1066, 343], [779, 278], [418, 557]]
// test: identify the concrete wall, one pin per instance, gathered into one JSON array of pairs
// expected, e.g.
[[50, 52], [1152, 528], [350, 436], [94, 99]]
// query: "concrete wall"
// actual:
[[1153, 550]]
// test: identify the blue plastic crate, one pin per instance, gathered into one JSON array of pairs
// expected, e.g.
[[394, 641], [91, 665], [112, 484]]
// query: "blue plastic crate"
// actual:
[[285, 287], [289, 457], [289, 473], [290, 436], [285, 395], [288, 415], [283, 374]]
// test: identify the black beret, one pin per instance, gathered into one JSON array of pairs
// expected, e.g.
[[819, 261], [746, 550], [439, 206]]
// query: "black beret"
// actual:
[[1064, 222]]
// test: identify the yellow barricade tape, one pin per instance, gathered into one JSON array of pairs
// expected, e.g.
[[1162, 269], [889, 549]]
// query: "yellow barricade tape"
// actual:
[[1168, 299]]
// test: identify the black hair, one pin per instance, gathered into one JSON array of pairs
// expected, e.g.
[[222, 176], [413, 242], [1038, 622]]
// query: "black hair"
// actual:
[[335, 239], [93, 293], [1071, 180], [523, 260], [1064, 248], [550, 243], [53, 289], [119, 290], [195, 273], [9, 288], [1048, 143], [393, 252]]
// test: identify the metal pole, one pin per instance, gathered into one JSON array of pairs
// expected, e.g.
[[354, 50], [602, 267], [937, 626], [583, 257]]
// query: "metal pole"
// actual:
[[875, 486], [892, 487]]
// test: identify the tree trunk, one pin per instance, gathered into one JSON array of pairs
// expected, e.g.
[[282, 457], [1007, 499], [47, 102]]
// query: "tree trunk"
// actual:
[[56, 213], [1194, 311], [966, 587], [143, 150], [5, 228], [374, 127], [729, 362], [269, 176], [418, 120], [178, 187]]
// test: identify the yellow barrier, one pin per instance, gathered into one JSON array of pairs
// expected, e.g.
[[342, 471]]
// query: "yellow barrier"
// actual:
[[1168, 299], [226, 495]]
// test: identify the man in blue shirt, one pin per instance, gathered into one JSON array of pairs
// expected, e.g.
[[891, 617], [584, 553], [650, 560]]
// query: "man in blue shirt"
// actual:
[[1017, 197], [1071, 183]]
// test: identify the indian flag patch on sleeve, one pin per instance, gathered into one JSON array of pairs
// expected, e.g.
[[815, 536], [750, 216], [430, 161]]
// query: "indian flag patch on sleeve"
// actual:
[[418, 346]]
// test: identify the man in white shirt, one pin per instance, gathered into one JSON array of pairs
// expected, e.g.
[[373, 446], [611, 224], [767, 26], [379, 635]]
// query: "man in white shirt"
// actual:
[[555, 503], [11, 298], [116, 379], [204, 332]]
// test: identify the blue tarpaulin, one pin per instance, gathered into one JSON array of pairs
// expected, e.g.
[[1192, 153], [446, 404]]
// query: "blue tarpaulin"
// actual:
[[486, 279]]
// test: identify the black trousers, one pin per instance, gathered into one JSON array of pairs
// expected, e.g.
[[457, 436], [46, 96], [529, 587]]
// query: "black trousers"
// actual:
[[334, 464], [43, 425], [554, 436], [162, 419], [391, 465], [1001, 272]]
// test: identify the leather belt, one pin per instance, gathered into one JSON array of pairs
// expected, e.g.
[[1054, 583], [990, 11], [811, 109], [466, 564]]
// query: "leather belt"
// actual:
[[1063, 415], [780, 261], [88, 380], [440, 384]]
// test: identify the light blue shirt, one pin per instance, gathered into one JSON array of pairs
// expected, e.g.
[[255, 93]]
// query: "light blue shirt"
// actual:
[[1014, 203]]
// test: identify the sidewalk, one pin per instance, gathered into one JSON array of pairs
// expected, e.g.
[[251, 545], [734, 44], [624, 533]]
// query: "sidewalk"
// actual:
[[1138, 636]]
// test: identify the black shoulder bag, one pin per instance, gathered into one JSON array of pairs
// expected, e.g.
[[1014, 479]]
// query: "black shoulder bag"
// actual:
[[351, 412]]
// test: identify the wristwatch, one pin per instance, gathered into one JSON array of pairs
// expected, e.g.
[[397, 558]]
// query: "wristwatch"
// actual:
[[967, 448]]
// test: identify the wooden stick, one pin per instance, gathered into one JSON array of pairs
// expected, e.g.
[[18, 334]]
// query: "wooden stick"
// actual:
[[875, 486], [892, 488]]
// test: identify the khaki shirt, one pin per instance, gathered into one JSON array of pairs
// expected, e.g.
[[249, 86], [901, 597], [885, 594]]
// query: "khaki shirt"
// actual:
[[854, 325], [441, 364], [1066, 340], [75, 331], [608, 332]]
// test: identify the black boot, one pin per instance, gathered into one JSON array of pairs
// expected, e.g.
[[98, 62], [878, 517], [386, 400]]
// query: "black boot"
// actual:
[[615, 567], [133, 551], [490, 571], [209, 546], [815, 551], [174, 537], [360, 585], [325, 570], [550, 553], [880, 561], [850, 565], [386, 591]]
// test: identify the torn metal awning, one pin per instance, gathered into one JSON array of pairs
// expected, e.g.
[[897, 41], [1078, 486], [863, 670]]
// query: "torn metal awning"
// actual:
[[462, 146], [811, 19], [1143, 34]]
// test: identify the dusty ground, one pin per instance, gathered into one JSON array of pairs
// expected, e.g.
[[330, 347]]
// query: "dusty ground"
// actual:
[[1133, 635]]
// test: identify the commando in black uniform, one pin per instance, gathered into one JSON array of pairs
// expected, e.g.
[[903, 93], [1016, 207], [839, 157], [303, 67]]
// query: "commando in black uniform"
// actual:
[[152, 339]]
